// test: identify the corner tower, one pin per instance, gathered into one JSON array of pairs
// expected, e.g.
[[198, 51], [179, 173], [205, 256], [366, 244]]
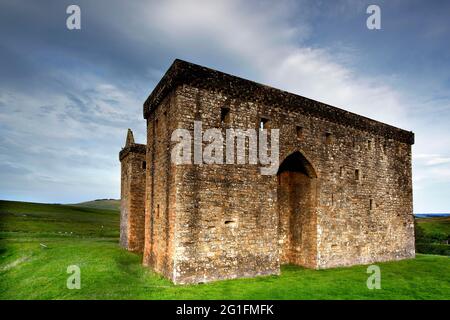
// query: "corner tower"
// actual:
[[132, 194]]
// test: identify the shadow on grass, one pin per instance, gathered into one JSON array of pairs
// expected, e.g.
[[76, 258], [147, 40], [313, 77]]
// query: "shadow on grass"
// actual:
[[129, 263]]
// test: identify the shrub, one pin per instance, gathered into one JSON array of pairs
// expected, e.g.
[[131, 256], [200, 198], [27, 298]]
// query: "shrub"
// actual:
[[433, 248]]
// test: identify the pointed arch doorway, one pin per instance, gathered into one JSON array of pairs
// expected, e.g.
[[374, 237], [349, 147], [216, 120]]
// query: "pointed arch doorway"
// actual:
[[297, 204]]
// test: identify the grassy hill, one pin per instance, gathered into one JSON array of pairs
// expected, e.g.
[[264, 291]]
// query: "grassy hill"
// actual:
[[38, 242], [433, 235], [38, 220], [438, 225], [107, 204]]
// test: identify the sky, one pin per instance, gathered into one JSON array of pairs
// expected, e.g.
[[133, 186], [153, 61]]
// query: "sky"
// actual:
[[67, 97]]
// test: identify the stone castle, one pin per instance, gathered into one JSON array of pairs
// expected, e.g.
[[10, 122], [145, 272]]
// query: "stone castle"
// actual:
[[342, 194]]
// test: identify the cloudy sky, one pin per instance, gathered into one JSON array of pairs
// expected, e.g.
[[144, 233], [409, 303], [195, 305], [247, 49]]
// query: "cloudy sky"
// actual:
[[67, 97]]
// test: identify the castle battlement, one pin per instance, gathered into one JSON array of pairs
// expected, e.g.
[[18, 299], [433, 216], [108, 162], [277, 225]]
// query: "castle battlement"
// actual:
[[182, 72]]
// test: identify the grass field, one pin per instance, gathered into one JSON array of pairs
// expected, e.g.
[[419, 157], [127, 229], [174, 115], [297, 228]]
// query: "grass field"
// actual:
[[38, 242], [439, 225], [433, 235]]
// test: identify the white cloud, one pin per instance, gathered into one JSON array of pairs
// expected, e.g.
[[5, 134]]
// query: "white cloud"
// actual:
[[437, 161], [267, 45], [68, 147], [432, 159]]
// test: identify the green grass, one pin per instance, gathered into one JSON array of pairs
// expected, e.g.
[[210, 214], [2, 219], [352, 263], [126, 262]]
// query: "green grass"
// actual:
[[55, 220], [29, 270]]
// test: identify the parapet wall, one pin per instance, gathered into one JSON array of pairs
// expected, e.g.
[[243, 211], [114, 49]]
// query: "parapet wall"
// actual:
[[182, 72]]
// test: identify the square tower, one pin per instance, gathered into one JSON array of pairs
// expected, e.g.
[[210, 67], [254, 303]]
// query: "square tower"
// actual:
[[132, 203]]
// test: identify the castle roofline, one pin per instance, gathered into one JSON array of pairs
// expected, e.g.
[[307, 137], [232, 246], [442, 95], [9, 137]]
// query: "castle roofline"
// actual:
[[133, 148], [183, 72]]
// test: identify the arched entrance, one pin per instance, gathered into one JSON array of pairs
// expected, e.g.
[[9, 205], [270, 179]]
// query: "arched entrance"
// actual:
[[297, 184]]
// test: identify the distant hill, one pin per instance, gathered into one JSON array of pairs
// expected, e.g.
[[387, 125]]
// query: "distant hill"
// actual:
[[107, 204], [25, 219], [431, 215]]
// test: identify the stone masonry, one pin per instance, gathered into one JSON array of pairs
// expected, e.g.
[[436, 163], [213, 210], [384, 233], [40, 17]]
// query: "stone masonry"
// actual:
[[132, 212], [342, 195]]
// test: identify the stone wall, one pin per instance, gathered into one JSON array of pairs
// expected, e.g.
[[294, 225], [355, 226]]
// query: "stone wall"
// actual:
[[161, 192], [132, 205], [228, 215], [224, 224], [124, 204]]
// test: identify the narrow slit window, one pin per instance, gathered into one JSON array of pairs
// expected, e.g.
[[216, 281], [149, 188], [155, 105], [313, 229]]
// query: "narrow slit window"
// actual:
[[230, 223], [357, 174], [157, 211], [225, 115], [144, 165], [369, 145], [371, 204], [263, 123], [328, 137], [299, 132]]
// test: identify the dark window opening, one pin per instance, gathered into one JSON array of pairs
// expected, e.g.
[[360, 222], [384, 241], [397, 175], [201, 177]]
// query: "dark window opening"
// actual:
[[371, 204], [328, 137], [299, 131], [356, 174], [144, 165], [230, 223], [157, 211], [369, 144], [225, 115], [264, 123]]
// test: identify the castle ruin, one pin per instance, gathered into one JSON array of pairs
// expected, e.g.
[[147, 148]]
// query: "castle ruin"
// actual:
[[342, 194]]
